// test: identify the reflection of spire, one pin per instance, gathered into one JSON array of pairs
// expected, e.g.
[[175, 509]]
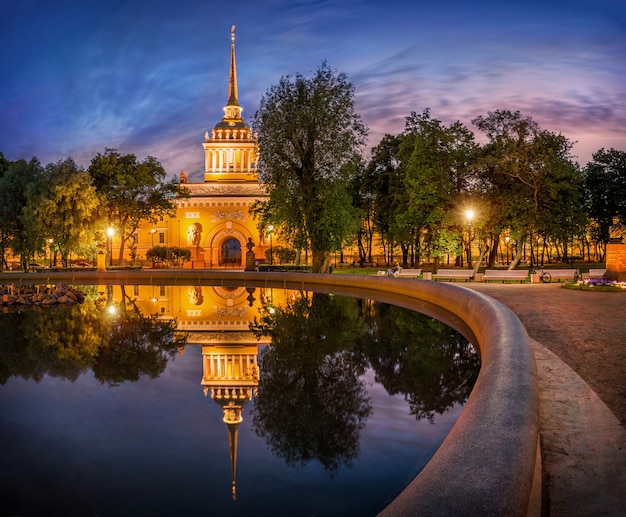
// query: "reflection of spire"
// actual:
[[232, 375], [233, 442]]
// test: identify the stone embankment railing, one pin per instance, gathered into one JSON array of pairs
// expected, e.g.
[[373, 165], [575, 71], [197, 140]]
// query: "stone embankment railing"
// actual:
[[489, 464], [23, 297]]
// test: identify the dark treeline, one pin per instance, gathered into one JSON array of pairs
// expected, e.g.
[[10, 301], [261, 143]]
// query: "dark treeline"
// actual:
[[408, 203], [63, 209], [523, 188]]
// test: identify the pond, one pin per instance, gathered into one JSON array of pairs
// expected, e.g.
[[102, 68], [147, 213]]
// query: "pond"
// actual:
[[182, 400]]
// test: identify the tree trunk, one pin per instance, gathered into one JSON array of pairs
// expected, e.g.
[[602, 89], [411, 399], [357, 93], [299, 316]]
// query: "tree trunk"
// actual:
[[483, 249], [518, 256], [321, 261]]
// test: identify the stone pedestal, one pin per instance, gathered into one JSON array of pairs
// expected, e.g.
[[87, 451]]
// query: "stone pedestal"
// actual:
[[250, 261], [616, 262], [101, 261]]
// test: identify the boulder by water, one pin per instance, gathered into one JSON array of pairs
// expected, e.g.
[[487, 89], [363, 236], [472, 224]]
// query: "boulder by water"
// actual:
[[24, 297]]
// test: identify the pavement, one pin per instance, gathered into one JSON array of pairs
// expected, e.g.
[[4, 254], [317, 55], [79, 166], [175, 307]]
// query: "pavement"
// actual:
[[579, 342]]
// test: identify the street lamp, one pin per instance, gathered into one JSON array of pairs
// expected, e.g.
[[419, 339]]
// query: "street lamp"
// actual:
[[270, 230], [506, 241], [469, 215], [50, 241], [152, 232], [110, 233]]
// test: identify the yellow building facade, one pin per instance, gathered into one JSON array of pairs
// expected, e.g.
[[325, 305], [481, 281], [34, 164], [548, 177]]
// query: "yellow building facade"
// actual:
[[215, 223]]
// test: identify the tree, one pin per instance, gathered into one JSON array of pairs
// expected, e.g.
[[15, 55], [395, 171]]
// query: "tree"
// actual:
[[439, 174], [19, 178], [309, 134], [63, 206], [604, 186], [384, 184], [133, 191], [532, 165]]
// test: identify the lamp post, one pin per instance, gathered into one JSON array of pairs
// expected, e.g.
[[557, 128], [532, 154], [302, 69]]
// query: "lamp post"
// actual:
[[110, 233], [469, 215], [50, 241], [270, 230], [506, 241], [152, 232]]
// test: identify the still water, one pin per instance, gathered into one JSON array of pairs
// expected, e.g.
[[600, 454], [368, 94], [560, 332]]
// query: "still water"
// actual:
[[170, 400]]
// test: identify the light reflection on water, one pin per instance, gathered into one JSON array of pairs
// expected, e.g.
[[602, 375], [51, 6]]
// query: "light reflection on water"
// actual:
[[158, 446]]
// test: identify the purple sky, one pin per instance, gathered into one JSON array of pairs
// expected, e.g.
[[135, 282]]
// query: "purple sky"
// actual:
[[149, 77]]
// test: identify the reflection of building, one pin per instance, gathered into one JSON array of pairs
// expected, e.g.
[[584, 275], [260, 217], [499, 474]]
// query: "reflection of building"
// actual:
[[231, 375], [217, 319], [214, 223]]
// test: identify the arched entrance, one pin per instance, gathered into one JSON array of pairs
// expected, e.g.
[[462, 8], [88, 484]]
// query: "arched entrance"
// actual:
[[230, 253]]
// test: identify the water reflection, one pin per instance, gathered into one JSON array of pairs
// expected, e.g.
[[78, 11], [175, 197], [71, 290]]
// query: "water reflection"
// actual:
[[308, 396]]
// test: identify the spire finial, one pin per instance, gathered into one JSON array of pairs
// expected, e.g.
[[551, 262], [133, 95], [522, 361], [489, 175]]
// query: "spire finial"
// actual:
[[232, 82]]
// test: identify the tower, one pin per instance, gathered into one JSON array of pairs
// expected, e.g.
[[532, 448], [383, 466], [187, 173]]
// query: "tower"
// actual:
[[230, 150]]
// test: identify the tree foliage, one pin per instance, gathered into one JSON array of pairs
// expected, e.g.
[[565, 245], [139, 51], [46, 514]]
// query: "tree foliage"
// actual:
[[534, 168], [133, 191], [605, 188], [63, 206], [309, 135], [18, 180]]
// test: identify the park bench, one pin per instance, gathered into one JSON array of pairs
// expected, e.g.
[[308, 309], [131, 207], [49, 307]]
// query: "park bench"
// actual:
[[596, 273], [520, 275], [547, 275], [454, 274], [408, 273]]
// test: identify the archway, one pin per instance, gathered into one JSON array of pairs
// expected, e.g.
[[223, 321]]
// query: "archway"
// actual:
[[230, 252]]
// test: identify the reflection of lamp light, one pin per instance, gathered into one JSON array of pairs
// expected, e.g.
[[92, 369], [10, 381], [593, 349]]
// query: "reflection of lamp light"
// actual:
[[270, 230], [469, 215]]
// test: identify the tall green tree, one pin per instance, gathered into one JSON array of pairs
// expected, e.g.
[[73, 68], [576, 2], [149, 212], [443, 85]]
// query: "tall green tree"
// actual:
[[309, 134], [63, 206], [605, 188], [386, 171], [439, 174], [18, 179], [133, 191], [529, 163]]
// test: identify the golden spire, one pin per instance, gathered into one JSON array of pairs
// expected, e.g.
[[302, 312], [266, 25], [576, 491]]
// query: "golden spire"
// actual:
[[233, 95]]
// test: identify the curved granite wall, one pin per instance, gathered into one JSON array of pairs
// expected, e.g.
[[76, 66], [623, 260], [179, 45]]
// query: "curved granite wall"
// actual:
[[489, 463]]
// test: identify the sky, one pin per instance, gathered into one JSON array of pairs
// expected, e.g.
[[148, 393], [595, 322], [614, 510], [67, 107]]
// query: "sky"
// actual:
[[150, 77]]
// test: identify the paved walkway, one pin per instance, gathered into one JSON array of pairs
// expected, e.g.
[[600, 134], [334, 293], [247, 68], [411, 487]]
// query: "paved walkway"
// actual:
[[579, 341]]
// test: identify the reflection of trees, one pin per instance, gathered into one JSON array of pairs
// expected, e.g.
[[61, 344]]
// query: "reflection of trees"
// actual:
[[133, 344], [55, 342], [67, 342], [311, 403], [421, 357]]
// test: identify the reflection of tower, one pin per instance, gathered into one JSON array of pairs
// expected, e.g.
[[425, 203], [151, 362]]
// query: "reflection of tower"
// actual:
[[231, 373]]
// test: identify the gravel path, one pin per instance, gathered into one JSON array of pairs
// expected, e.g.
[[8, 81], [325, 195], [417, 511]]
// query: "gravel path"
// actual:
[[585, 329], [579, 342]]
